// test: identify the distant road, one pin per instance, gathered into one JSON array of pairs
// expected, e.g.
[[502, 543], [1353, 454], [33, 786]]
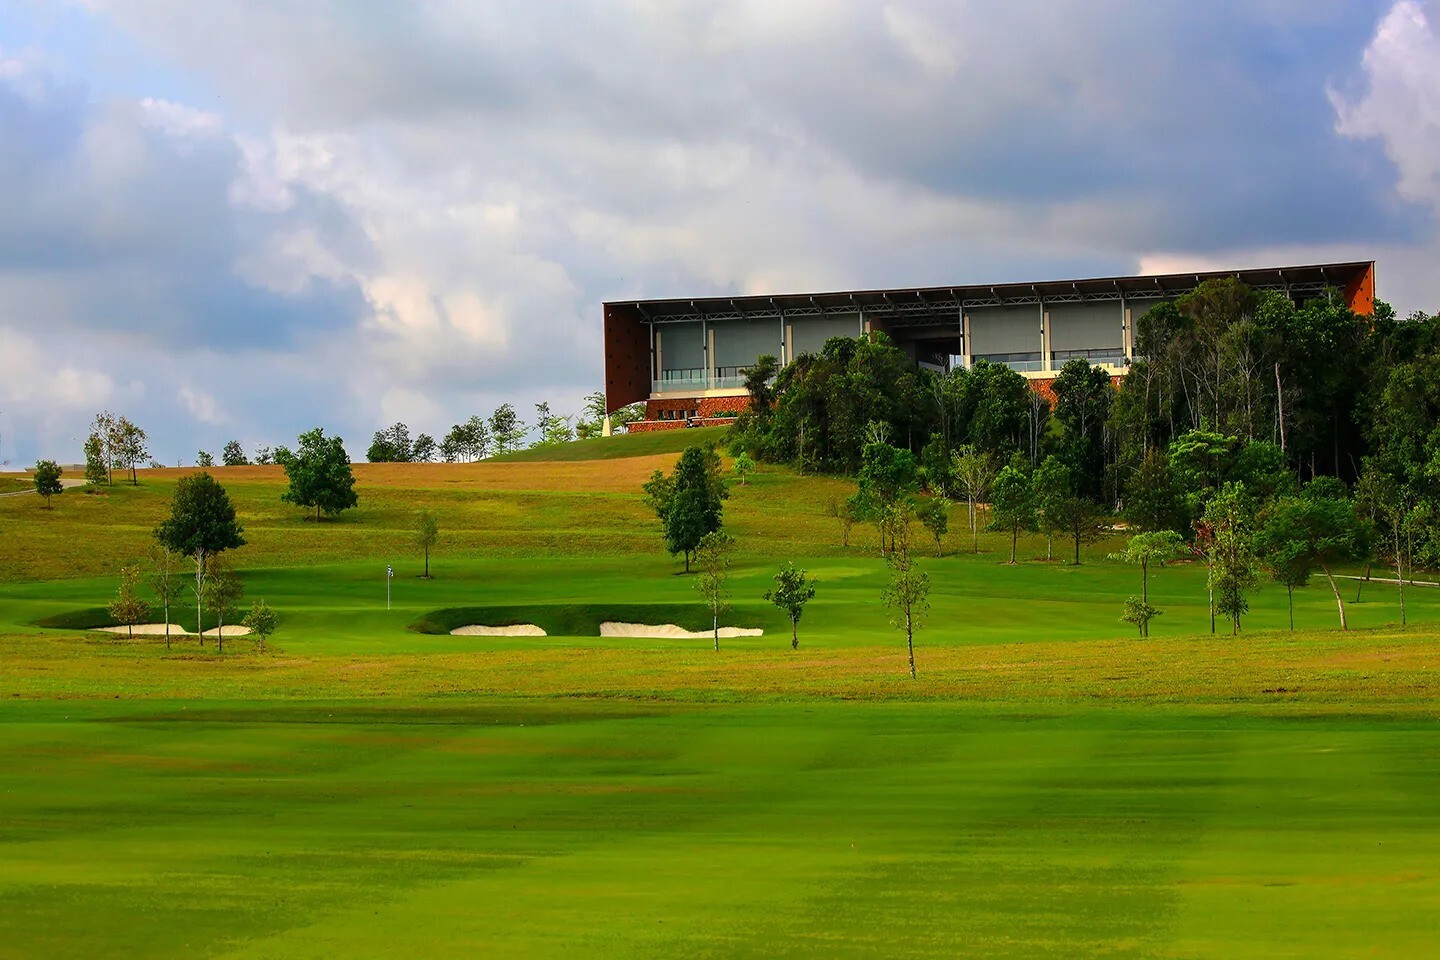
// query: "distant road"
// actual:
[[67, 484]]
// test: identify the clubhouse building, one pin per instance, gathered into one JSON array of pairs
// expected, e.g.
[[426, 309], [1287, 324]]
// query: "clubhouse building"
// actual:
[[686, 358]]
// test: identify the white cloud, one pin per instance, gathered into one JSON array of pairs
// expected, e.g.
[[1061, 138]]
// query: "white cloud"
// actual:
[[1401, 104], [201, 405]]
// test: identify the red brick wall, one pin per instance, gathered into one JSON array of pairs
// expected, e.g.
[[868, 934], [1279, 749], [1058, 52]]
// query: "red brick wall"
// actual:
[[706, 406]]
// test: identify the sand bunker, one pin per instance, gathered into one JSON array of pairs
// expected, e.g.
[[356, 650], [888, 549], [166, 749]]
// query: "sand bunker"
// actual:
[[514, 630], [669, 631], [231, 630], [150, 630]]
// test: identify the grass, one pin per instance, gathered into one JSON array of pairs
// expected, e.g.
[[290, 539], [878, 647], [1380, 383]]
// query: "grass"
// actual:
[[16, 484], [1049, 786], [621, 446]]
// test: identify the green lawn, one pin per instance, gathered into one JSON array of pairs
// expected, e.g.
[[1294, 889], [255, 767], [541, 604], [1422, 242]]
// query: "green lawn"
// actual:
[[621, 446], [1049, 786]]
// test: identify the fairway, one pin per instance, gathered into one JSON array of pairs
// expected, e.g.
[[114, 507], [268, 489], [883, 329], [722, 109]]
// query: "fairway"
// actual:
[[1048, 786]]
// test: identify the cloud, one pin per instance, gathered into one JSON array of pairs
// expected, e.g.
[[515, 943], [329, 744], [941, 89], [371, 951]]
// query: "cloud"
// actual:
[[1401, 103], [345, 214]]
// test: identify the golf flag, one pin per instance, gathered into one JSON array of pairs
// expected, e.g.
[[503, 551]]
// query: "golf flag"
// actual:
[[389, 571]]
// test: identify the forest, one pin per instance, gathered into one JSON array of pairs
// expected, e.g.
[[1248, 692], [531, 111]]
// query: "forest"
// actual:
[[1234, 393]]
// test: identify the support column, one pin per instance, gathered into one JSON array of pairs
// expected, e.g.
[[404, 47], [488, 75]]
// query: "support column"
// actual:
[[705, 351], [710, 357], [783, 359], [1045, 362], [1127, 328], [658, 352], [966, 357]]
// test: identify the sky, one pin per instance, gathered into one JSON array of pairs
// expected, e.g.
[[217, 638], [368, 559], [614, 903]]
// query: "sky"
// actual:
[[239, 219]]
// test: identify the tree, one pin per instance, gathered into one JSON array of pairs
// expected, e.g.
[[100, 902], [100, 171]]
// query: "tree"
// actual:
[[203, 459], [164, 578], [887, 475], [689, 501], [791, 592], [105, 429], [934, 515], [391, 445], [744, 466], [1083, 396], [1229, 516], [129, 444], [320, 475], [592, 419], [201, 524], [47, 480], [1286, 567], [1158, 547], [1315, 530], [1392, 505], [1140, 612], [95, 471], [846, 513], [262, 622], [506, 430], [1053, 486], [1153, 500], [1013, 502], [127, 609], [712, 553], [233, 455], [975, 471], [264, 456], [424, 450], [466, 442], [225, 589], [427, 531], [908, 592], [553, 429]]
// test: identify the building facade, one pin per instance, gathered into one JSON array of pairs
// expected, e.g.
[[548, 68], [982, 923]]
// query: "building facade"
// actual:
[[686, 358]]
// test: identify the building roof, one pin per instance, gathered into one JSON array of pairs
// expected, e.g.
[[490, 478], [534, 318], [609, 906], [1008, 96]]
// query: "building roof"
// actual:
[[921, 305]]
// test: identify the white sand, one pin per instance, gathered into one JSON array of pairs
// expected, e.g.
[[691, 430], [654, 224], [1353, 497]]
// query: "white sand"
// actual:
[[669, 631], [149, 630], [514, 630], [231, 630]]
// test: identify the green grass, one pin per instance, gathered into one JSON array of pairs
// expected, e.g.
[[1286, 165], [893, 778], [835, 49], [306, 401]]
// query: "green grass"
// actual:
[[1049, 786], [16, 484], [620, 446]]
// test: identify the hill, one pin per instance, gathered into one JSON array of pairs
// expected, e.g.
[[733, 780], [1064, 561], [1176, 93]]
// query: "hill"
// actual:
[[620, 446]]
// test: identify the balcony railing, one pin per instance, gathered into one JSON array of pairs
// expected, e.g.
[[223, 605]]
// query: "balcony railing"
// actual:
[[697, 378]]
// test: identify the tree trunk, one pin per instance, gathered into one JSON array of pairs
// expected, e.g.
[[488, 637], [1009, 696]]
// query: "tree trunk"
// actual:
[[427, 563], [220, 631], [1338, 602], [1400, 580], [1014, 539], [1144, 580], [1212, 609], [167, 623], [131, 628], [910, 643], [1077, 547], [1290, 598], [1280, 404], [199, 594], [1361, 585], [715, 624], [794, 634]]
